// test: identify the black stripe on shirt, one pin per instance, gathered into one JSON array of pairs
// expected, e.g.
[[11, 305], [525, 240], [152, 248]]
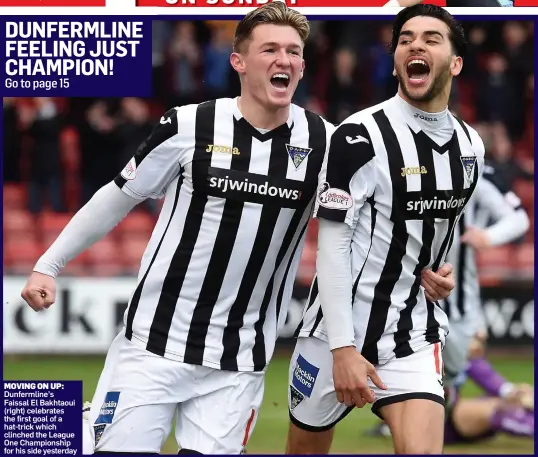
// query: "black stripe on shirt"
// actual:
[[220, 257], [428, 183], [175, 276], [461, 268], [278, 165], [392, 268], [457, 173], [316, 141], [135, 301]]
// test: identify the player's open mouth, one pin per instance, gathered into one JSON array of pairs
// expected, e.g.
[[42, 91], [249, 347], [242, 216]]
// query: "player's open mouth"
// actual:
[[280, 81], [418, 70]]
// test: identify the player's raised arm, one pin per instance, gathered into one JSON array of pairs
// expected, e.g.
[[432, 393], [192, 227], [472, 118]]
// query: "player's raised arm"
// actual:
[[346, 181], [147, 174]]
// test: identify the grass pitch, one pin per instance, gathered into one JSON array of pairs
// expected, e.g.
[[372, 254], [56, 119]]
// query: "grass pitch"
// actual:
[[270, 434]]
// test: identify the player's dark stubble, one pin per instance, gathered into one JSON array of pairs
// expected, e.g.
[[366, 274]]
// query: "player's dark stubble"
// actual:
[[436, 86]]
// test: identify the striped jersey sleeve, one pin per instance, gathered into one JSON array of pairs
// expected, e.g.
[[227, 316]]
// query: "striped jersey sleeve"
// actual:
[[156, 162], [348, 175]]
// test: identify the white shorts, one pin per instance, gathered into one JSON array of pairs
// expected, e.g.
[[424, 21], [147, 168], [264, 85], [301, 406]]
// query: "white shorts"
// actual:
[[139, 393], [312, 399]]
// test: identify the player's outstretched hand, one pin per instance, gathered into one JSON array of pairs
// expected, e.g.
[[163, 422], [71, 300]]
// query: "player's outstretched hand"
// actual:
[[350, 373], [40, 291], [438, 285]]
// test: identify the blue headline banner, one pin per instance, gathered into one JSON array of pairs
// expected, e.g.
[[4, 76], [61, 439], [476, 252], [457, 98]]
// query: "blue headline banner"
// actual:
[[42, 417], [73, 57]]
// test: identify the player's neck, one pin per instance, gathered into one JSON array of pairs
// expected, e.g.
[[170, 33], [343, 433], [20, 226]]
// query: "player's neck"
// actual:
[[436, 119], [258, 116], [436, 105]]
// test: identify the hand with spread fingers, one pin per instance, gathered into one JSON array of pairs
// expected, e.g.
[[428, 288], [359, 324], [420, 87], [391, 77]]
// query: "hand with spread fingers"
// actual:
[[440, 284]]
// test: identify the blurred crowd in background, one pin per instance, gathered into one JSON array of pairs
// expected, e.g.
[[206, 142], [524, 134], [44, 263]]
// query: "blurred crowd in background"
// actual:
[[59, 152]]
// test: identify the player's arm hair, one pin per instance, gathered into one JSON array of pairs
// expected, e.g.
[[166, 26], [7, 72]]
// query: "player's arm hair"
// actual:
[[106, 209]]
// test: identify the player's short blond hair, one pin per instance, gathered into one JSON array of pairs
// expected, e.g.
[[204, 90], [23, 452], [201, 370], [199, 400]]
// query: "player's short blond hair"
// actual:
[[276, 13]]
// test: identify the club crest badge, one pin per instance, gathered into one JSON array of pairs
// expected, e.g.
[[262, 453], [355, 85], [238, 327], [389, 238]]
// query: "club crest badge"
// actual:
[[98, 432], [297, 154], [296, 397], [468, 163]]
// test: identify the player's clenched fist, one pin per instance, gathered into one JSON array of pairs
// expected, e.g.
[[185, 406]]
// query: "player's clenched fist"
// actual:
[[40, 291]]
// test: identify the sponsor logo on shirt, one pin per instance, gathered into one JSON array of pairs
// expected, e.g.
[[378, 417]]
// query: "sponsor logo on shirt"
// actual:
[[254, 187], [425, 118], [440, 206], [223, 149], [414, 171], [108, 408], [333, 198], [225, 184]]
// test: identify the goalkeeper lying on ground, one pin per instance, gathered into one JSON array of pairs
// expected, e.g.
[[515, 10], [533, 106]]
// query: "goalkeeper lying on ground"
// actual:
[[505, 407]]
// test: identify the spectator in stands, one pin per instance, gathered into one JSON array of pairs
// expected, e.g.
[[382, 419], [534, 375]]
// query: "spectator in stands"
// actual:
[[160, 36], [133, 127], [185, 60], [497, 97], [12, 139], [42, 124], [501, 156], [518, 51], [217, 64], [384, 83], [99, 149], [343, 92], [317, 53]]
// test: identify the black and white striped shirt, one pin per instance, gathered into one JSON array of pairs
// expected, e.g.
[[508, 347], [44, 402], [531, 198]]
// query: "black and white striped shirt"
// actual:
[[400, 178], [218, 272], [491, 201]]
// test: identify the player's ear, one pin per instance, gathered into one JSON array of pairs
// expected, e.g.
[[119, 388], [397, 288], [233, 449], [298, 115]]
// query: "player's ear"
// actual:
[[302, 69], [456, 66], [394, 72], [237, 62]]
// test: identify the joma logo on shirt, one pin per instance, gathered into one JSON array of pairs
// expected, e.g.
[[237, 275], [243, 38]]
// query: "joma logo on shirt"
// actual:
[[224, 149], [414, 171]]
